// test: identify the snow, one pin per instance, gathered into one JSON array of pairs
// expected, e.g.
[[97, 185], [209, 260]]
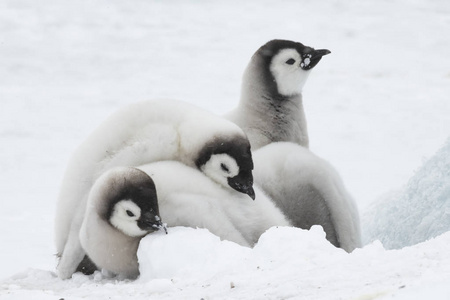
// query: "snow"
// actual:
[[377, 109], [287, 263], [306, 61], [419, 212]]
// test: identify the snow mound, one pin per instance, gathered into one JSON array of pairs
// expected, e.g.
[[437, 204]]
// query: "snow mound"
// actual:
[[198, 253], [286, 263], [420, 212], [186, 252]]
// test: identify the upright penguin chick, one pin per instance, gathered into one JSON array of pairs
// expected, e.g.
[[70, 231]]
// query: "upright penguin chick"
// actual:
[[271, 107], [145, 132], [121, 209], [188, 198], [308, 191]]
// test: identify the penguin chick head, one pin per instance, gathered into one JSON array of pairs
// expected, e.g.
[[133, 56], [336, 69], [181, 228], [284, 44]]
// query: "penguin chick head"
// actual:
[[131, 203], [285, 65], [229, 162]]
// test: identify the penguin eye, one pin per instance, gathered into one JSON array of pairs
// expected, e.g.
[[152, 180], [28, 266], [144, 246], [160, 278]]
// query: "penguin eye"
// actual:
[[290, 61], [224, 167], [129, 213]]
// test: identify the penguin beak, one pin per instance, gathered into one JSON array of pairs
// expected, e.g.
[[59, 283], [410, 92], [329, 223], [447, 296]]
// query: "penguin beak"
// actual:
[[243, 182], [150, 222], [312, 59], [320, 53]]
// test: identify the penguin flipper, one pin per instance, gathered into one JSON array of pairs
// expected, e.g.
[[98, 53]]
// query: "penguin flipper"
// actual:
[[309, 207]]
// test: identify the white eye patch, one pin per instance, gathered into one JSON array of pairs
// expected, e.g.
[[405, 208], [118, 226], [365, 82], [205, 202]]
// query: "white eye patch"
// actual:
[[289, 76], [220, 167], [124, 217]]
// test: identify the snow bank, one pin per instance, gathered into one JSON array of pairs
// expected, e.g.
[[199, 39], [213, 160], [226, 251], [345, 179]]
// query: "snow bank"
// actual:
[[287, 263], [420, 212]]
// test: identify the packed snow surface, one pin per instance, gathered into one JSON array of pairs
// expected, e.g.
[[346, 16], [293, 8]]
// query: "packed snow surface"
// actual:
[[377, 108], [287, 263]]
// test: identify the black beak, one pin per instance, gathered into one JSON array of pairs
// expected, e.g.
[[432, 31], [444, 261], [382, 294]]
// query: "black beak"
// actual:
[[320, 53], [243, 182], [310, 60], [151, 222]]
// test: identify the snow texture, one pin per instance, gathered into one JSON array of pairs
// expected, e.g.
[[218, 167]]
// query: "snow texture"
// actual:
[[420, 212], [377, 108], [287, 263]]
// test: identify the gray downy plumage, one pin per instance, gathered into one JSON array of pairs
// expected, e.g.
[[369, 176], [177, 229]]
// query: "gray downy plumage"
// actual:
[[122, 208], [187, 197], [271, 110], [145, 132], [309, 191], [271, 104]]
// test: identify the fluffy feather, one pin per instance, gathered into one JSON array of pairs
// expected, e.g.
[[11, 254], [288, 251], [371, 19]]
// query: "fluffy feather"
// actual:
[[271, 107], [304, 187], [141, 133], [308, 191], [188, 198], [111, 242]]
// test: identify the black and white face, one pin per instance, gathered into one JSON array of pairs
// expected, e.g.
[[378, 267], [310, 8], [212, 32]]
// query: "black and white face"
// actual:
[[290, 64], [134, 205], [125, 217], [288, 73], [129, 218], [220, 167], [291, 68], [229, 164], [224, 169]]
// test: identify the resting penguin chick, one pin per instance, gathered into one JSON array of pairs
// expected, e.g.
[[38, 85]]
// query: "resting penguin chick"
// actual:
[[145, 132], [271, 108], [121, 209], [188, 198], [308, 191]]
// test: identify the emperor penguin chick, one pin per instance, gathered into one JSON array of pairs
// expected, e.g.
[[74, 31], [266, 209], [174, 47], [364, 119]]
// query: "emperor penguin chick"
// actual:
[[146, 132], [308, 191], [271, 107], [188, 198], [122, 208]]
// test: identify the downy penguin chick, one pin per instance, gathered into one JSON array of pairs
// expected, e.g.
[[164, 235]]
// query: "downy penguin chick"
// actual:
[[308, 191], [188, 198], [271, 107], [122, 208], [145, 132]]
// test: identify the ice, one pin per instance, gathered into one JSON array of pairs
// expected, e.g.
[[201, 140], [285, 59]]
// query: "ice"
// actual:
[[419, 212]]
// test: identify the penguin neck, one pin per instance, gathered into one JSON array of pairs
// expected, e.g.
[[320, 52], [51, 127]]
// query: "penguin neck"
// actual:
[[109, 248], [277, 117]]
